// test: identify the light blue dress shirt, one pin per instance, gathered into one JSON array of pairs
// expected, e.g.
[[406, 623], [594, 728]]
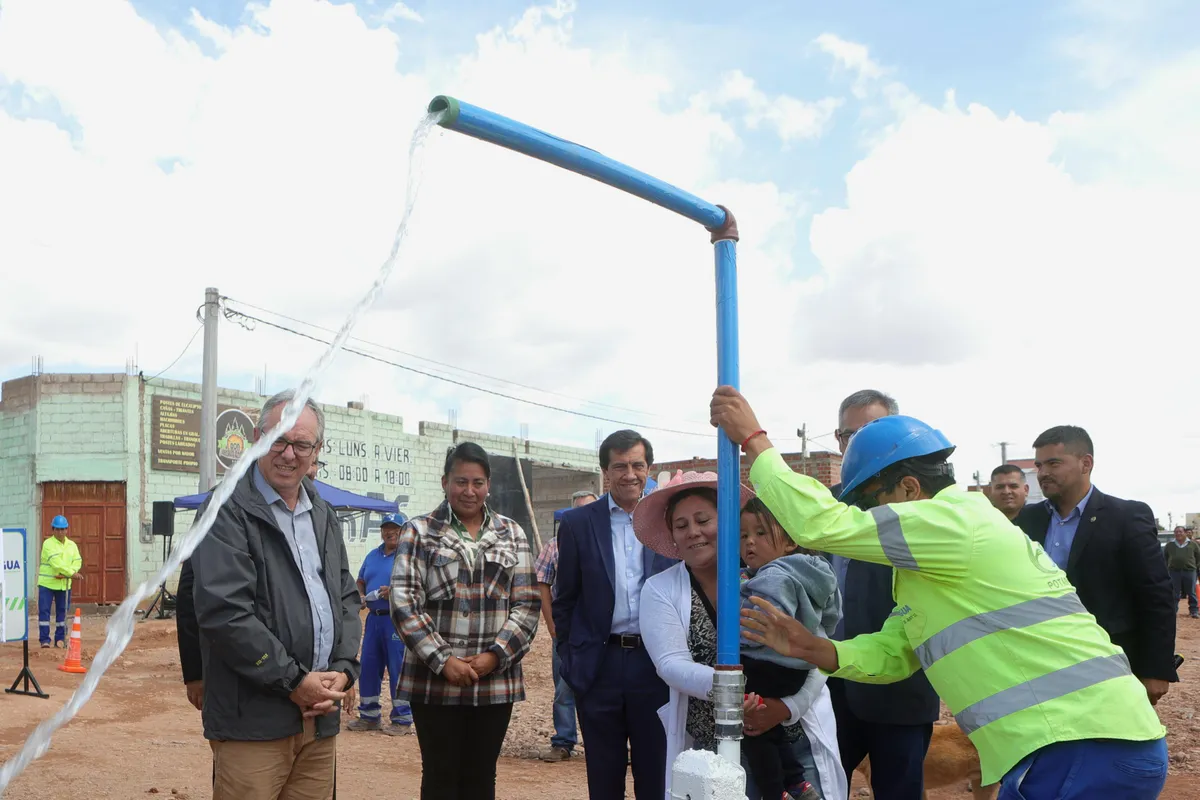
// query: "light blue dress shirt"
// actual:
[[1061, 532], [628, 571], [297, 527]]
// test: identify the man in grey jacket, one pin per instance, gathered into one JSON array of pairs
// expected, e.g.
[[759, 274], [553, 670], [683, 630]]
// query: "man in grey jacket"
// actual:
[[277, 610]]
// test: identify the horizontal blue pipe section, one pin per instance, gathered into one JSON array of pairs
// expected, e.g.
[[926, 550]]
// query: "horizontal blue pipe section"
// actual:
[[482, 124], [729, 466]]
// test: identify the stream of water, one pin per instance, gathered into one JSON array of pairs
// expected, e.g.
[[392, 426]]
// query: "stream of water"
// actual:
[[121, 624]]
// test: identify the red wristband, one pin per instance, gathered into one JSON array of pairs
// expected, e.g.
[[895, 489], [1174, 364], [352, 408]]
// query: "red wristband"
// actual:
[[746, 441]]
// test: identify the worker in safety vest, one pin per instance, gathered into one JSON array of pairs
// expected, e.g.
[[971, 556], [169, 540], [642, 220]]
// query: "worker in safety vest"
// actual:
[[60, 563], [1048, 700]]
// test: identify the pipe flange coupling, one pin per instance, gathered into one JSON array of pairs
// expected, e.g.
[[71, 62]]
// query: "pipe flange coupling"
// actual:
[[728, 695]]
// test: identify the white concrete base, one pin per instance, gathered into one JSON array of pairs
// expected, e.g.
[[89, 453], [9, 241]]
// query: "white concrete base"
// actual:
[[701, 775]]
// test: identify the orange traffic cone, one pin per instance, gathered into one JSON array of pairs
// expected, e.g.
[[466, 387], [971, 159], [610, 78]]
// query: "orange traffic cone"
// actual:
[[74, 662]]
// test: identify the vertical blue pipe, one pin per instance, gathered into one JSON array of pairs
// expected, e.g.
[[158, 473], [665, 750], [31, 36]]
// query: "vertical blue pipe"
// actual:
[[729, 461]]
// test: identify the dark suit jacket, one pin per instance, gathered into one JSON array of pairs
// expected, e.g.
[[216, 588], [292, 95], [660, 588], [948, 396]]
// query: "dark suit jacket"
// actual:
[[583, 591], [1117, 568], [186, 628], [865, 607]]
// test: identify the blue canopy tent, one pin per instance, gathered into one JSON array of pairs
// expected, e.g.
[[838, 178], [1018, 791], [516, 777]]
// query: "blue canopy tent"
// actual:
[[340, 499]]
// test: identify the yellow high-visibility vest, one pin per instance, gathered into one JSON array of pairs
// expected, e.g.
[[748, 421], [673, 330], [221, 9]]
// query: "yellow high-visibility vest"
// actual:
[[995, 624], [58, 558]]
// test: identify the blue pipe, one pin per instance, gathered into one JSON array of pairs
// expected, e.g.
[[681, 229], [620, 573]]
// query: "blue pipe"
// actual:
[[729, 463], [481, 124], [474, 121]]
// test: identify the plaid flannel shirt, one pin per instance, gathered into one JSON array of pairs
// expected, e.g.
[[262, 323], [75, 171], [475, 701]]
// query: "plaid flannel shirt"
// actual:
[[546, 567], [451, 599]]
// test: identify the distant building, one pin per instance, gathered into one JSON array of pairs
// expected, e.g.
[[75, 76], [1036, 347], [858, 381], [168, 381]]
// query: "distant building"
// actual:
[[824, 466], [101, 448]]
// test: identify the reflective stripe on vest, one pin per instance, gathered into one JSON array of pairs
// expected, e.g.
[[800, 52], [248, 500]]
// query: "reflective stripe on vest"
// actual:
[[1041, 690], [1021, 615], [891, 538]]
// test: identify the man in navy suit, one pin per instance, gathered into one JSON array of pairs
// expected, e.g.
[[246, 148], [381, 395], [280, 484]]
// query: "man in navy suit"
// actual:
[[1109, 549], [601, 570]]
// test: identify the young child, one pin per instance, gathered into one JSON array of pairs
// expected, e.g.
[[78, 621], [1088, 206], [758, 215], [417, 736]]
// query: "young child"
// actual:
[[804, 586]]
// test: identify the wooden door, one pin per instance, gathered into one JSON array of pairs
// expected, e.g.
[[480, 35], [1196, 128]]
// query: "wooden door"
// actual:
[[96, 514]]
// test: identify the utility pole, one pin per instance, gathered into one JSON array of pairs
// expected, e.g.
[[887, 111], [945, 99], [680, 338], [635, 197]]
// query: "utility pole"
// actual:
[[802, 432], [1004, 452], [208, 392]]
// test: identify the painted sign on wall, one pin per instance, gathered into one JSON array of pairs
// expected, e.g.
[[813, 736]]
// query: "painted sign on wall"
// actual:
[[175, 434]]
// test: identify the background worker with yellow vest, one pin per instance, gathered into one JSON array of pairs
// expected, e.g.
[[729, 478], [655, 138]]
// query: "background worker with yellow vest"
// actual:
[[60, 563], [1048, 700]]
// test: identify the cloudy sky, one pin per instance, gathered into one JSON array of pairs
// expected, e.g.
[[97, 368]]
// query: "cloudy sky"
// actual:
[[983, 212]]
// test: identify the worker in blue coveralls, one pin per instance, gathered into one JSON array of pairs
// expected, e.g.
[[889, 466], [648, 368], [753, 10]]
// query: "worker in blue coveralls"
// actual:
[[382, 647]]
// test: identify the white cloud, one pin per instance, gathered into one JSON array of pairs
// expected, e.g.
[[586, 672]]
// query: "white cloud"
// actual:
[[998, 274], [398, 11], [854, 57], [1003, 275], [792, 119]]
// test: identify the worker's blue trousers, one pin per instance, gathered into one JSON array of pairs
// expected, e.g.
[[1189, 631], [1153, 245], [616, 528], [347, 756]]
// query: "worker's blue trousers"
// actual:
[[59, 598], [1088, 769], [381, 649]]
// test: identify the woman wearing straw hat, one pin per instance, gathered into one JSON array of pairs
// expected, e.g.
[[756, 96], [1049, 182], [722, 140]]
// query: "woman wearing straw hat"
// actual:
[[679, 520]]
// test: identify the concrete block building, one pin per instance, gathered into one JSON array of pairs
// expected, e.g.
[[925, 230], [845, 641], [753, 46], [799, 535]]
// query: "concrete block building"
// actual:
[[102, 448]]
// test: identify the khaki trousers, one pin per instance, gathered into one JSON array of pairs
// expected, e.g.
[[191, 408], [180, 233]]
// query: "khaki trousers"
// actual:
[[300, 767]]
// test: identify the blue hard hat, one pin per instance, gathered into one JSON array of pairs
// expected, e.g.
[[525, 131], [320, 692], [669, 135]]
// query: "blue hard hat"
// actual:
[[59, 523], [886, 441], [393, 519]]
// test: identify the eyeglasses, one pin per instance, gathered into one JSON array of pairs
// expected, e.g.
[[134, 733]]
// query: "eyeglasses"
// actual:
[[301, 449], [843, 434], [620, 467]]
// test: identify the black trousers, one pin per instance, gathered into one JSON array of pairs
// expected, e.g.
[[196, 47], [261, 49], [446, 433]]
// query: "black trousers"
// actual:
[[772, 761], [897, 751], [620, 711], [459, 749]]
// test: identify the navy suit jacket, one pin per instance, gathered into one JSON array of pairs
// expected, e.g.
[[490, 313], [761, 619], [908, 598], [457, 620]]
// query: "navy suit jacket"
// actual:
[[865, 607], [1118, 571], [583, 591]]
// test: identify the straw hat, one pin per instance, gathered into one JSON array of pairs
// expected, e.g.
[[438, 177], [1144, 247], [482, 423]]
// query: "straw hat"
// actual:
[[650, 516]]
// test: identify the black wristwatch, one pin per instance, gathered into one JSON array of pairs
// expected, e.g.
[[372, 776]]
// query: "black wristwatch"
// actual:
[[349, 678]]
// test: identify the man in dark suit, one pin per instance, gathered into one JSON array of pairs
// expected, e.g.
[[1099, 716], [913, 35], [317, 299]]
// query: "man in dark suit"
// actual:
[[1109, 549], [601, 569], [890, 723]]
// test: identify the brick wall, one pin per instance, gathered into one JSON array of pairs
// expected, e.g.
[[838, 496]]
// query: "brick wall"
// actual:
[[824, 466]]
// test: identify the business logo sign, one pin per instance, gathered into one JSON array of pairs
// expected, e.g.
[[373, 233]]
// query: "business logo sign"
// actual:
[[235, 432]]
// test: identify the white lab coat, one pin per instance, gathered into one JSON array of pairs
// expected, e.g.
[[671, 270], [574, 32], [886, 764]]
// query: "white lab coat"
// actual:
[[666, 611]]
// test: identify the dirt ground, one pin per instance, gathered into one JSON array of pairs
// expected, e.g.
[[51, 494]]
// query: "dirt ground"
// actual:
[[138, 737]]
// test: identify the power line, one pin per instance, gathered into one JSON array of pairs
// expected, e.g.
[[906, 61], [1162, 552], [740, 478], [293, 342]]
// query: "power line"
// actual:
[[186, 347], [231, 313], [463, 370]]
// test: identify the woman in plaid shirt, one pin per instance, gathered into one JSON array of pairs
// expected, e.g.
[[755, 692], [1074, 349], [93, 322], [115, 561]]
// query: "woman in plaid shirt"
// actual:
[[465, 600]]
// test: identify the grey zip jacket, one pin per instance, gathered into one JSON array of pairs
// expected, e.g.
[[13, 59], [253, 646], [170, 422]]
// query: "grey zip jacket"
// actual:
[[256, 628], [801, 586]]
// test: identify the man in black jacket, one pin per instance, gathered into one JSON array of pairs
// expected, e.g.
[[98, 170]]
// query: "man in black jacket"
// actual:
[[1109, 549], [277, 611], [891, 723]]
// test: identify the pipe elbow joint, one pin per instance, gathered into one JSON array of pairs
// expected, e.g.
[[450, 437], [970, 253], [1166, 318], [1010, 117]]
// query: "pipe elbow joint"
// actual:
[[727, 230]]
